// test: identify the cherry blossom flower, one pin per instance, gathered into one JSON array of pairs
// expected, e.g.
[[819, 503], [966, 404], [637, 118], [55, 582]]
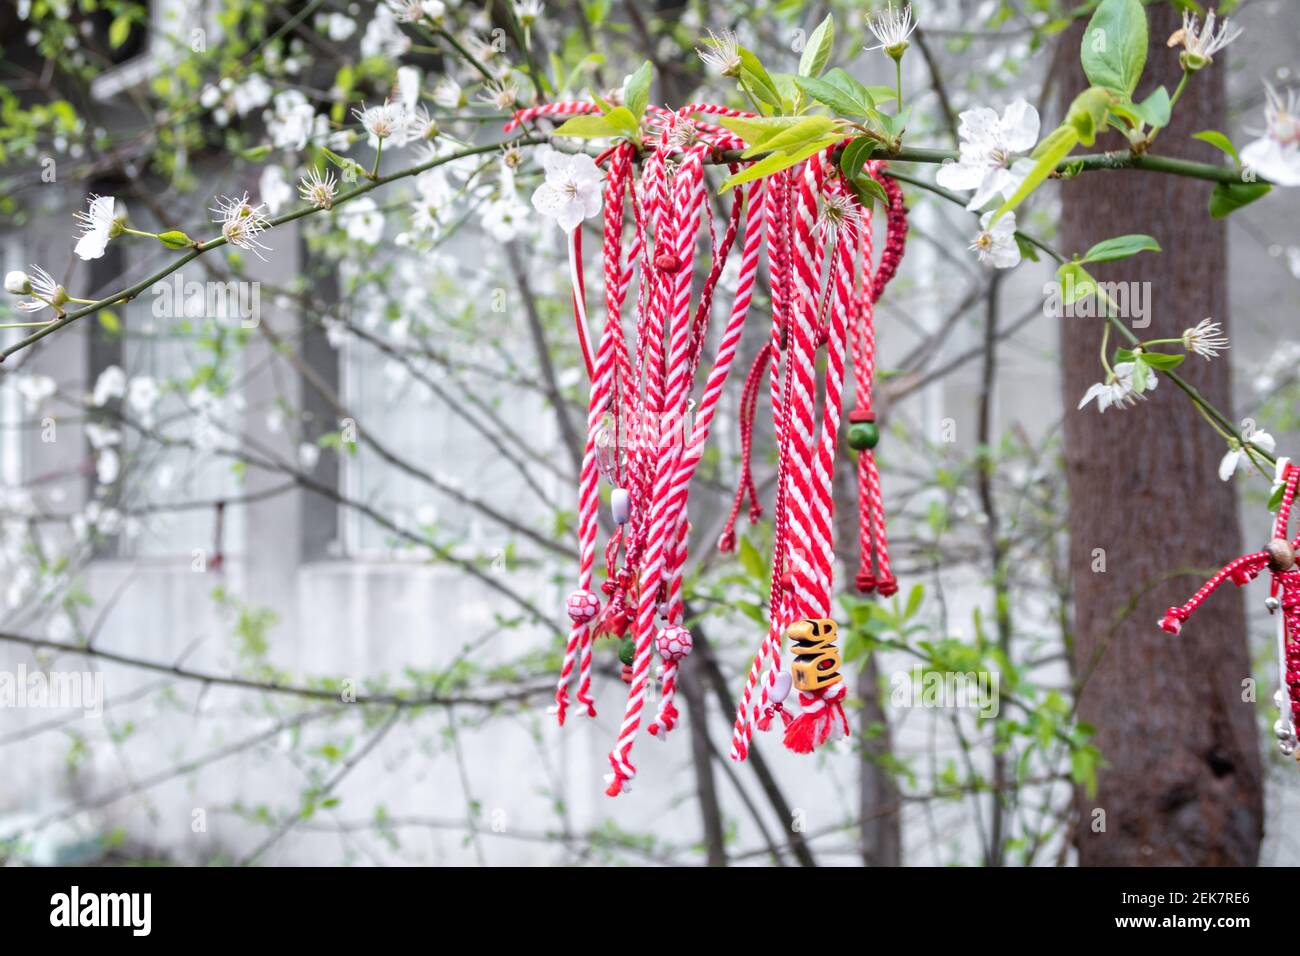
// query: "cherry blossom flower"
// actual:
[[363, 221], [1120, 388], [986, 162], [1205, 338], [111, 384], [241, 223], [317, 189], [501, 94], [1199, 45], [996, 243], [384, 37], [98, 225], [406, 11], [572, 190], [383, 122], [1236, 455], [293, 121], [891, 27], [45, 292], [35, 389], [527, 12], [448, 94], [723, 53], [1276, 154], [275, 189], [838, 210]]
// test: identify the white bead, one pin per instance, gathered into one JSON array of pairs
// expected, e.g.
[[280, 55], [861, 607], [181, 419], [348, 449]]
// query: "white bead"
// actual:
[[618, 505], [780, 688], [1282, 729], [1272, 603], [1279, 698]]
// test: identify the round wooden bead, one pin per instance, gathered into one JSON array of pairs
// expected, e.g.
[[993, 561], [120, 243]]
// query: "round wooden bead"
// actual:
[[1281, 556]]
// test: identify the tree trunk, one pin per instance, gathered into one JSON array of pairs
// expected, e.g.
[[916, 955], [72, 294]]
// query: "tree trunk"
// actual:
[[1181, 782]]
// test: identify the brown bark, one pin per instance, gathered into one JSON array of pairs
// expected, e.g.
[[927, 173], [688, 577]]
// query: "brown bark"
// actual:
[[1182, 780]]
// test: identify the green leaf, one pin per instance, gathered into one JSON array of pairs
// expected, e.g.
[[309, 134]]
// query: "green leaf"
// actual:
[[792, 96], [1075, 281], [588, 127], [756, 79], [867, 189], [895, 123], [1114, 47], [1087, 113], [1162, 361], [1155, 109], [109, 320], [636, 91], [855, 156], [752, 561], [1120, 247], [808, 129], [1219, 142], [841, 92], [779, 160], [622, 119], [755, 130], [817, 51], [1229, 197], [1046, 154], [119, 30], [175, 239]]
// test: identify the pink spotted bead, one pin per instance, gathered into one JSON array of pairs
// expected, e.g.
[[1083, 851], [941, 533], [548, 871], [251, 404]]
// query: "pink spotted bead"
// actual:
[[674, 642], [582, 606]]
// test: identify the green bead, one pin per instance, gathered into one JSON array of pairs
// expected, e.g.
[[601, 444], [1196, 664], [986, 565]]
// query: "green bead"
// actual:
[[627, 651], [863, 435]]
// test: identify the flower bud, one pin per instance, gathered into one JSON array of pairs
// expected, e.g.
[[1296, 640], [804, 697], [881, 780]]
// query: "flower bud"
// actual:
[[18, 283]]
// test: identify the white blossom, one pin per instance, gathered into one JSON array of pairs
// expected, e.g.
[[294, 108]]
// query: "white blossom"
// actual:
[[35, 389], [986, 159], [1120, 388], [274, 188], [108, 466], [448, 94], [388, 121], [384, 37], [45, 292], [1199, 45], [1236, 456], [528, 12], [98, 225], [111, 384], [317, 189], [722, 55], [363, 221], [1205, 338], [142, 395], [891, 28], [996, 244], [242, 222], [571, 191], [293, 121], [1276, 154]]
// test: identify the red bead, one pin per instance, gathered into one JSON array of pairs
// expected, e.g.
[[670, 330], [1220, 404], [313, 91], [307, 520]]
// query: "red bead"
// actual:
[[667, 262]]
